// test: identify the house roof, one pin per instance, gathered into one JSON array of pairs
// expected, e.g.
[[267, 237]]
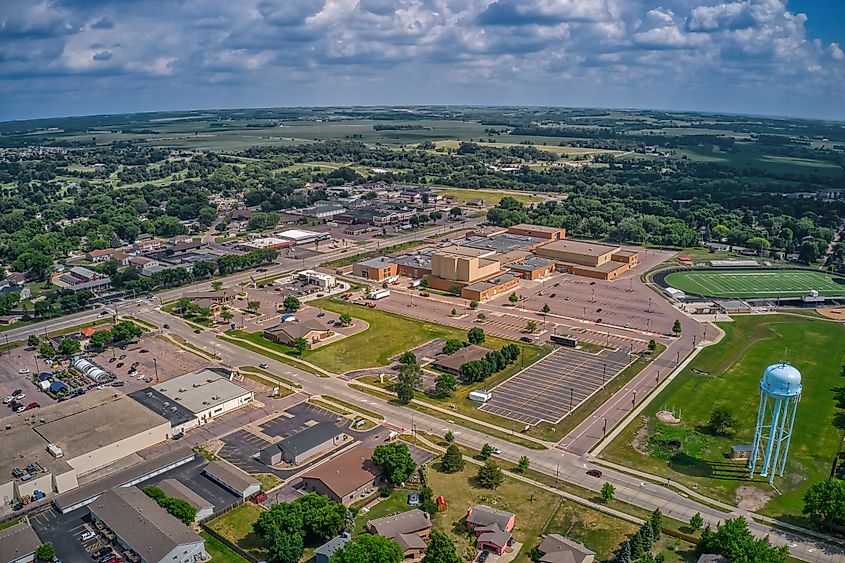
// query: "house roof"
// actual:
[[141, 523], [297, 329], [409, 541], [456, 359], [333, 545], [177, 489], [495, 536], [18, 541], [411, 521], [558, 549], [229, 474], [347, 472], [483, 515], [310, 437]]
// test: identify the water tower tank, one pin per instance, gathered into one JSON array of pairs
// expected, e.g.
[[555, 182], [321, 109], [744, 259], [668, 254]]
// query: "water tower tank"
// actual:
[[781, 380]]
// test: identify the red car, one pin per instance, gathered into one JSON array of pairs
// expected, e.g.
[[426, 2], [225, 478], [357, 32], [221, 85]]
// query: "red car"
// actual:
[[32, 405], [258, 498]]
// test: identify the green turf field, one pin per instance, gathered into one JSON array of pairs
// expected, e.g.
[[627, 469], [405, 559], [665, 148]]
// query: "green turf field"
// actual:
[[727, 375], [754, 283]]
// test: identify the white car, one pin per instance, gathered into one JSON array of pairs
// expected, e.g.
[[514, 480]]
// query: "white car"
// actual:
[[140, 376], [20, 409], [87, 536], [496, 450], [7, 400], [23, 371], [19, 396]]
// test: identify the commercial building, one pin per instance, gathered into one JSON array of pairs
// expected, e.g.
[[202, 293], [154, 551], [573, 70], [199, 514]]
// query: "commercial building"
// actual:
[[195, 398], [91, 371], [376, 269], [504, 243], [65, 441], [305, 444], [18, 543], [231, 478], [287, 332], [141, 526], [538, 231], [416, 264], [461, 264], [490, 288], [259, 243], [79, 278], [453, 362], [299, 236], [321, 280], [533, 268], [589, 258], [349, 477], [176, 489]]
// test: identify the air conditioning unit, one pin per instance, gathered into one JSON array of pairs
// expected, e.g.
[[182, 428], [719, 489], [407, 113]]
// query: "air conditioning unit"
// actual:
[[149, 393]]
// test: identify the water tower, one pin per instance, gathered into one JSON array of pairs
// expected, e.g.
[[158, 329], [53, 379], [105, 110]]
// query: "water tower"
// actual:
[[780, 391]]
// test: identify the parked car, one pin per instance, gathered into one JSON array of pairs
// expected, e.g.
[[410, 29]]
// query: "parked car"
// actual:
[[598, 310], [20, 408], [119, 365], [262, 365], [100, 553], [321, 313], [482, 557], [525, 339], [598, 320], [7, 400], [143, 350], [112, 360], [122, 357], [592, 283], [165, 325], [197, 331], [23, 371], [594, 473], [117, 384], [87, 536], [32, 405], [17, 393]]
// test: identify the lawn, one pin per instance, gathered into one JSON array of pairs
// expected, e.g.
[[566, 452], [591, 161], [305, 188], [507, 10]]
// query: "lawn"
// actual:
[[751, 155], [268, 481], [236, 526], [489, 197], [755, 283], [727, 375], [219, 551]]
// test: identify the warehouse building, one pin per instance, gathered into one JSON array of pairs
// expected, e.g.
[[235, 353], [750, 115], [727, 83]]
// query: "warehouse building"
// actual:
[[195, 398], [231, 478], [505, 243], [141, 526], [302, 446], [65, 441], [347, 478]]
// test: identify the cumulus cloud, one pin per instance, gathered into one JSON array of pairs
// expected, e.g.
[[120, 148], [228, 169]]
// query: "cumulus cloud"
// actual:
[[721, 55]]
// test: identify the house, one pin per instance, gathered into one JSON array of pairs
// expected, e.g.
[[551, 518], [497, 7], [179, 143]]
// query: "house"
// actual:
[[557, 549], [102, 255], [324, 553], [474, 202], [312, 331], [495, 540], [22, 291], [346, 478], [140, 525], [453, 362], [482, 516], [18, 543], [410, 530], [315, 440], [232, 478], [79, 278]]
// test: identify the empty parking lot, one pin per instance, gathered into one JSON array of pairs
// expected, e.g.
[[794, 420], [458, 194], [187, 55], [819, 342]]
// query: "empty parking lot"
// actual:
[[556, 385]]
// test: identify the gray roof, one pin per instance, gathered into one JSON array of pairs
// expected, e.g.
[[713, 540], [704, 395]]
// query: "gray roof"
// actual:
[[17, 541], [501, 243], [310, 437], [154, 400], [412, 521], [558, 549], [713, 558], [495, 536], [483, 515], [377, 262], [297, 329], [229, 474], [141, 523], [333, 545], [177, 489], [409, 541], [481, 286], [532, 263]]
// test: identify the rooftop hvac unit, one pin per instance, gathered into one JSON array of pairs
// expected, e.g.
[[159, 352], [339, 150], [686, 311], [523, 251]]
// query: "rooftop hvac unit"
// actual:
[[182, 390], [177, 398], [210, 380], [173, 409], [149, 393], [165, 404], [195, 385], [215, 398], [205, 402]]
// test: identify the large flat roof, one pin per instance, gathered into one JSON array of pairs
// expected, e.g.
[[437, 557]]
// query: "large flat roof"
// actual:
[[583, 247], [378, 262], [200, 390], [502, 243], [174, 411], [538, 228], [462, 251], [18, 541]]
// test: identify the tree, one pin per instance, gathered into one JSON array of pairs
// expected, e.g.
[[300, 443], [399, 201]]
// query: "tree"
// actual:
[[452, 345], [404, 393], [396, 461], [721, 421], [441, 549], [676, 328], [69, 346], [475, 336], [473, 305], [226, 315], [46, 350], [824, 503], [408, 358], [449, 437], [345, 319], [656, 522], [530, 326], [100, 339], [455, 212], [652, 345], [180, 509], [312, 517], [300, 345], [291, 303], [545, 310], [624, 554], [125, 331], [368, 548], [183, 306], [523, 463], [411, 375], [607, 492], [481, 317], [454, 312], [253, 306], [286, 548], [445, 384], [45, 552], [154, 492], [513, 298], [32, 340], [734, 541], [696, 522], [486, 451], [216, 285], [453, 460], [489, 475]]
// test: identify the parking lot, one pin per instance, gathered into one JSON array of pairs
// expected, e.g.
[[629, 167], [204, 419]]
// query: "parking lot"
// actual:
[[160, 357], [553, 387]]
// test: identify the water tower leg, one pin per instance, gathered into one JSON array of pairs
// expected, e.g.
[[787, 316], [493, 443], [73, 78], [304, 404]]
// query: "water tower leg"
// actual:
[[758, 431], [788, 436], [767, 461], [778, 433]]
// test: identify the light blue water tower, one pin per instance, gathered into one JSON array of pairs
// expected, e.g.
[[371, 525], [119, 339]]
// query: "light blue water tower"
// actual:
[[780, 392]]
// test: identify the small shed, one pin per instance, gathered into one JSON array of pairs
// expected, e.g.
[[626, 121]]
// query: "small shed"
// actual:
[[323, 553], [481, 395], [741, 452], [58, 387]]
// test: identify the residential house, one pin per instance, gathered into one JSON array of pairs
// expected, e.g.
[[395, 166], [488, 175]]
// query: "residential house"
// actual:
[[324, 553], [347, 478], [557, 549], [101, 255], [410, 530], [492, 527]]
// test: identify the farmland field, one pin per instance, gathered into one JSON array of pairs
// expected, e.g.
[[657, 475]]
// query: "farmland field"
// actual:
[[727, 375], [753, 283]]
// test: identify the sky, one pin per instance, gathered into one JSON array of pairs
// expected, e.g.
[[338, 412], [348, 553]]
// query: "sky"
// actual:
[[761, 57]]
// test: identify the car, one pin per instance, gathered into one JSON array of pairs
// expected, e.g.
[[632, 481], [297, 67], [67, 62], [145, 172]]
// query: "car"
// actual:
[[277, 289], [112, 360], [18, 506], [482, 557], [23, 371], [553, 295], [119, 365], [87, 536], [321, 314], [7, 400], [113, 559], [592, 283], [262, 270], [100, 553], [32, 405], [141, 376], [18, 396], [568, 298], [627, 325], [525, 339], [103, 313], [598, 310], [165, 325], [135, 364], [557, 284], [117, 384], [17, 393], [122, 357], [197, 331], [143, 351], [594, 473], [14, 404], [100, 387], [598, 321], [262, 365], [496, 450], [20, 408]]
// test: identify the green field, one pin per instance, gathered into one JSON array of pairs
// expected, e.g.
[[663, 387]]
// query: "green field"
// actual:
[[727, 375], [489, 197], [750, 155], [754, 283]]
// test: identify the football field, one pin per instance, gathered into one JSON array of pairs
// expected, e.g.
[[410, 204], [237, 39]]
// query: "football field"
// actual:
[[754, 283]]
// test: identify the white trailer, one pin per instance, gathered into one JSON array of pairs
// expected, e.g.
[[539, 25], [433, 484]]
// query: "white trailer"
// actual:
[[380, 294]]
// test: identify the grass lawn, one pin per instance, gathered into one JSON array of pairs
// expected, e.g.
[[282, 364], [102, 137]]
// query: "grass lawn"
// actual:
[[489, 197], [219, 551], [728, 375], [751, 283], [267, 480], [236, 526]]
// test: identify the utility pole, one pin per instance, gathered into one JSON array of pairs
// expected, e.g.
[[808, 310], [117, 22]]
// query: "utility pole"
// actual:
[[649, 305], [155, 367], [634, 400], [604, 429], [571, 395]]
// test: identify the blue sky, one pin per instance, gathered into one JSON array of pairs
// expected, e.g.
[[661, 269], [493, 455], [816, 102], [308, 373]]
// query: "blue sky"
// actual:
[[72, 57]]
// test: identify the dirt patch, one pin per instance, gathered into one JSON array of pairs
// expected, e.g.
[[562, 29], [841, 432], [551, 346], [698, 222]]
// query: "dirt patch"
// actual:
[[668, 417], [640, 440], [752, 498], [835, 313]]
